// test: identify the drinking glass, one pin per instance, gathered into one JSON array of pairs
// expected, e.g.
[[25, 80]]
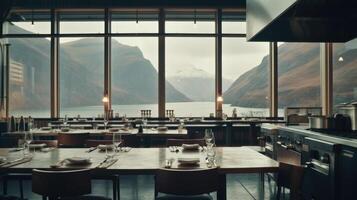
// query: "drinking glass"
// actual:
[[117, 140], [30, 124], [105, 124], [211, 155], [145, 122], [28, 138], [209, 137]]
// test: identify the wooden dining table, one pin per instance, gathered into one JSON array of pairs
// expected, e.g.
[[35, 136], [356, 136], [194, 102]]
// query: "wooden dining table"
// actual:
[[137, 161]]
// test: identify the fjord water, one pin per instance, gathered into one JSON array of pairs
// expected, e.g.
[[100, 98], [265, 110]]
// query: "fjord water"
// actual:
[[182, 109]]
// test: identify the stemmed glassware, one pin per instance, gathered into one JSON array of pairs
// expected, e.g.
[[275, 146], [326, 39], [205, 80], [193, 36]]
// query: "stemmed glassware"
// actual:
[[105, 124], [117, 140], [209, 137], [28, 138], [210, 144]]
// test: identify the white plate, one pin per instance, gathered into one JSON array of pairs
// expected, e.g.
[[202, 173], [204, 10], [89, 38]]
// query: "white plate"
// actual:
[[78, 161], [103, 147], [45, 128], [162, 128], [190, 147], [2, 159], [188, 161], [37, 146], [65, 129]]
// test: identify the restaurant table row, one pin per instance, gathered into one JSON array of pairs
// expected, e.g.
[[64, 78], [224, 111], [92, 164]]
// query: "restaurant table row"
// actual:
[[137, 161]]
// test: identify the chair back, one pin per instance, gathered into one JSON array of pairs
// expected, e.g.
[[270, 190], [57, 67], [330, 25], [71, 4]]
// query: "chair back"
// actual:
[[56, 184], [291, 177], [186, 182], [72, 140], [179, 142]]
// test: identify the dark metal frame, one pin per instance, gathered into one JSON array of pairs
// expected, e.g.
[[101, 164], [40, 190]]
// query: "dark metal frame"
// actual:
[[107, 35]]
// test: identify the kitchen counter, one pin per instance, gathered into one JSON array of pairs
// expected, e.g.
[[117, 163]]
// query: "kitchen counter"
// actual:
[[313, 134]]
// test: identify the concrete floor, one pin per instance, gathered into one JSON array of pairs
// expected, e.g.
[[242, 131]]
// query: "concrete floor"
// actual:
[[241, 187]]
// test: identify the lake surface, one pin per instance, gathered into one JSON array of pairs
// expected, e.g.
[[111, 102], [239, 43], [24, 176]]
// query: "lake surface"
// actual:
[[181, 109]]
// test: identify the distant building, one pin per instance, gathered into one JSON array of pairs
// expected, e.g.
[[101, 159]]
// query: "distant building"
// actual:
[[16, 75]]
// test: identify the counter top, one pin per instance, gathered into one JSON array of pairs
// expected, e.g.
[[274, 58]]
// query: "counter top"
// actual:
[[313, 134]]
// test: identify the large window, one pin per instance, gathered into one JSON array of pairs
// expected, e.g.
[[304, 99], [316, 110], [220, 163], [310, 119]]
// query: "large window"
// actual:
[[298, 75], [29, 78], [245, 80], [190, 21], [28, 22], [91, 21], [344, 72], [81, 76], [190, 72], [134, 75], [135, 21], [190, 63]]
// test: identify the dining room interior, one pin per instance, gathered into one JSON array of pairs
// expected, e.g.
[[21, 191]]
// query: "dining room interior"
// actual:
[[172, 99]]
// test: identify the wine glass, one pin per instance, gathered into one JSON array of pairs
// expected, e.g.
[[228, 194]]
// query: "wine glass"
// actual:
[[28, 138], [105, 124], [117, 140], [209, 137], [211, 155]]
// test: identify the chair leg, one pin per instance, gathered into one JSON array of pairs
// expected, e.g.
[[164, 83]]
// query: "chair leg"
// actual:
[[118, 187], [21, 189], [114, 188], [278, 193], [4, 187]]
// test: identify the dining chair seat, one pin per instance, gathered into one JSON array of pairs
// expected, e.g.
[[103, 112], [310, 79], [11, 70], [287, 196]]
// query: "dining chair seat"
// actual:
[[64, 184], [176, 197], [186, 184]]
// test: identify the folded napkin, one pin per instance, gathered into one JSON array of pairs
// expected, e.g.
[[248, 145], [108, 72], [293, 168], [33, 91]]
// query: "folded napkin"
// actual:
[[190, 147]]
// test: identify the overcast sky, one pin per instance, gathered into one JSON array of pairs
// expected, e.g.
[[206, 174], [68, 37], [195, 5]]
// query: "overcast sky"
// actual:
[[239, 56]]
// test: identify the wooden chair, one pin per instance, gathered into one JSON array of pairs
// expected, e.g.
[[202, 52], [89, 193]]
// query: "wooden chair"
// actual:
[[20, 177], [66, 185], [113, 178], [290, 176], [186, 184], [72, 140], [179, 142]]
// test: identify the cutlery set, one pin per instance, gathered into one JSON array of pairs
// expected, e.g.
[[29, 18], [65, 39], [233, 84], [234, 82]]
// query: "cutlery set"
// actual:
[[174, 149], [15, 162]]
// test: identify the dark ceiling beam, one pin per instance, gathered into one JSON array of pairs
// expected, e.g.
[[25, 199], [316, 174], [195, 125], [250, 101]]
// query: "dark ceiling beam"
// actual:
[[128, 3]]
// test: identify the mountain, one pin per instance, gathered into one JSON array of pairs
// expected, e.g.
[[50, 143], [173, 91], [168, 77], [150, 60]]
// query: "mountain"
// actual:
[[134, 79], [196, 83], [299, 78]]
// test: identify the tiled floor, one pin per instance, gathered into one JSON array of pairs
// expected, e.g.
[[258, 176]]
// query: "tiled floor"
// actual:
[[241, 187]]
